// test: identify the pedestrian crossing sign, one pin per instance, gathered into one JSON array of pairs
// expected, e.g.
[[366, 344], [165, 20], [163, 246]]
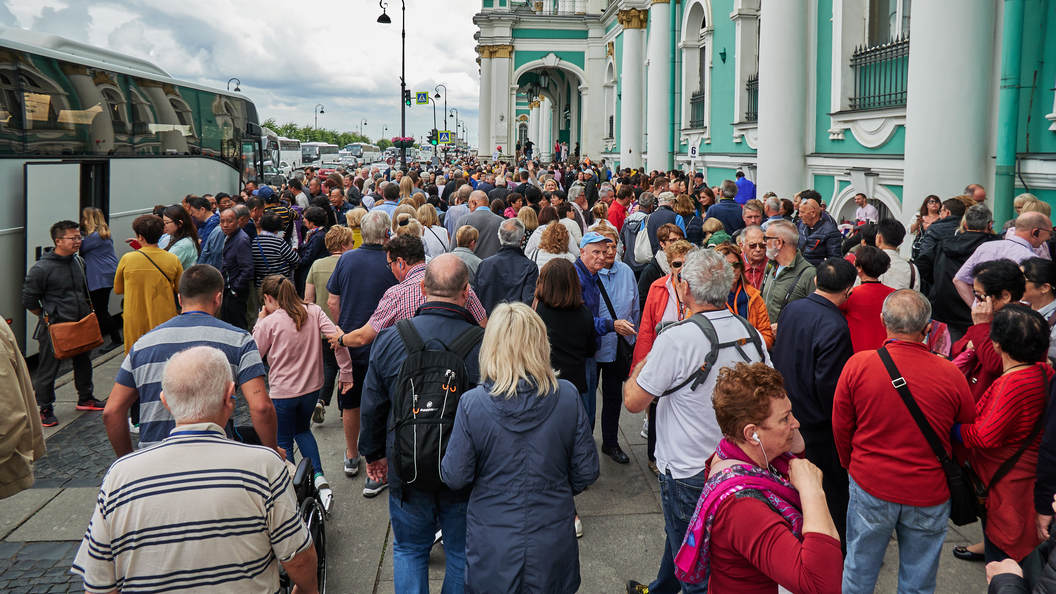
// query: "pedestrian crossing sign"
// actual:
[[445, 137], [421, 97]]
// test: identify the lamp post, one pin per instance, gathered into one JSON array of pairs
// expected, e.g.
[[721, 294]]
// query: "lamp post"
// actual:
[[385, 20], [237, 82], [318, 110], [362, 126], [454, 111]]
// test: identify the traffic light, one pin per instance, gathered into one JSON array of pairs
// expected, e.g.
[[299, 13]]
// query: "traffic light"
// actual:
[[407, 97], [434, 137]]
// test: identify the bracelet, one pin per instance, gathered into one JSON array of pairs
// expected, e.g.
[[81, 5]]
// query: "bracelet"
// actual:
[[341, 340]]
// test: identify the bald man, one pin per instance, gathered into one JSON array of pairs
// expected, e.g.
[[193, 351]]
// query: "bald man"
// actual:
[[818, 236], [1032, 229], [485, 222]]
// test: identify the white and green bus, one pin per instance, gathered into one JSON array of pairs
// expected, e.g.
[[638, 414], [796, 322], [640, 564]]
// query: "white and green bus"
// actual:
[[84, 126]]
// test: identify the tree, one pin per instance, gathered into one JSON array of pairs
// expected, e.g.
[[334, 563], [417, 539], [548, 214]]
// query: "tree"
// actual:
[[383, 143], [311, 134]]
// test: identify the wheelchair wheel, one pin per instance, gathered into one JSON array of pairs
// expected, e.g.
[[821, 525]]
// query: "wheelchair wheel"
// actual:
[[314, 517]]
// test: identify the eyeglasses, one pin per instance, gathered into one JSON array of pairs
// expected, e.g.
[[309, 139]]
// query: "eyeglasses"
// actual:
[[73, 238], [771, 238], [979, 296], [676, 264], [755, 246]]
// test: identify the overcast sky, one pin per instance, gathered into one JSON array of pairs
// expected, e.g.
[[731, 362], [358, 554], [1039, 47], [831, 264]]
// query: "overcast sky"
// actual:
[[289, 56]]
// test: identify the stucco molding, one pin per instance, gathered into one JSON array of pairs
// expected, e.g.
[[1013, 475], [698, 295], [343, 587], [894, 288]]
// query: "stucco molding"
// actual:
[[748, 132], [872, 129]]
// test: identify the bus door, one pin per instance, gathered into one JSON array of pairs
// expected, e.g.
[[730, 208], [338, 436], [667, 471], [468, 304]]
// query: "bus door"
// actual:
[[53, 193], [252, 162]]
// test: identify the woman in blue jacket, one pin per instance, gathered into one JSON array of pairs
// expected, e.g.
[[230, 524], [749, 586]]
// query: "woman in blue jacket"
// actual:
[[100, 264], [522, 441]]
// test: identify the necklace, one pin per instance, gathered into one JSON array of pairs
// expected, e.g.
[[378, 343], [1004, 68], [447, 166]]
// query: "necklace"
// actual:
[[1017, 366]]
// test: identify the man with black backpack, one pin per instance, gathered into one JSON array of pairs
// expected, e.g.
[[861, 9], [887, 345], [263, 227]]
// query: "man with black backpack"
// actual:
[[418, 370], [680, 372]]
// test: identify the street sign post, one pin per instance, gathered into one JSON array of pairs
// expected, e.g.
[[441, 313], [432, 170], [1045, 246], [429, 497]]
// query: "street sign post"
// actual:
[[421, 97], [445, 137]]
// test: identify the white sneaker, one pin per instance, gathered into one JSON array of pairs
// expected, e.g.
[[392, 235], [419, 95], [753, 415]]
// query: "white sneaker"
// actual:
[[645, 428], [326, 496], [351, 466], [133, 429], [579, 527]]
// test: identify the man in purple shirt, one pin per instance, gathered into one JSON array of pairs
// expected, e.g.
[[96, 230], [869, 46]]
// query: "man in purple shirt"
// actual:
[[1032, 230]]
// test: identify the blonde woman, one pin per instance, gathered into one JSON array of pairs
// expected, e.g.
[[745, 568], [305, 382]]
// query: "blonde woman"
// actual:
[[522, 443], [402, 209], [530, 219], [434, 235], [406, 188], [100, 264], [354, 217]]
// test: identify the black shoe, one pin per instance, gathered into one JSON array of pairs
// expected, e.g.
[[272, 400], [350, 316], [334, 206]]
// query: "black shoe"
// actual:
[[616, 454], [964, 554], [634, 587], [47, 416]]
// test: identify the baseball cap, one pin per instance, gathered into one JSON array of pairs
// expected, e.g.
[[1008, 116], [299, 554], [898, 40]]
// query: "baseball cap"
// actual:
[[592, 237], [264, 192]]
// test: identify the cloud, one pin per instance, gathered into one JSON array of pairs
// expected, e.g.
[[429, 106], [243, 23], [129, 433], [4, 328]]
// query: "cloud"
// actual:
[[289, 56]]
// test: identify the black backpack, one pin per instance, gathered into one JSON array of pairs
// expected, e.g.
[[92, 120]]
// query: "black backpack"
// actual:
[[701, 374], [428, 388]]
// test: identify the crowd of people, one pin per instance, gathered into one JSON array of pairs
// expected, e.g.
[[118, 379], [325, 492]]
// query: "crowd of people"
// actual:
[[468, 317]]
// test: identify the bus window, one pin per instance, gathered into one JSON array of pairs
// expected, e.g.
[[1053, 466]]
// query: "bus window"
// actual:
[[251, 161]]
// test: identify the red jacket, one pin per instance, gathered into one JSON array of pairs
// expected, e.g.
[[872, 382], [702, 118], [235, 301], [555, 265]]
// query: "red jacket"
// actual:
[[652, 314], [862, 310], [878, 442]]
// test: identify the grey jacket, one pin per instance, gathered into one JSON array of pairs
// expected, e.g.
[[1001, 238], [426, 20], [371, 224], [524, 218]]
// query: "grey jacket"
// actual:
[[57, 285]]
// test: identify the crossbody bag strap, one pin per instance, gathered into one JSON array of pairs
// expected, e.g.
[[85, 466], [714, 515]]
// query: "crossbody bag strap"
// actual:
[[899, 384], [156, 266], [608, 305], [1007, 465], [792, 287]]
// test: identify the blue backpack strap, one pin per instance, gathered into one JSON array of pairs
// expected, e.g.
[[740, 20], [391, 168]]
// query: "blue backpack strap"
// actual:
[[410, 337]]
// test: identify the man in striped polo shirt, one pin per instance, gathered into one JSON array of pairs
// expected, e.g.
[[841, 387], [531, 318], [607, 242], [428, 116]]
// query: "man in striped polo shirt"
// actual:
[[201, 293], [197, 512]]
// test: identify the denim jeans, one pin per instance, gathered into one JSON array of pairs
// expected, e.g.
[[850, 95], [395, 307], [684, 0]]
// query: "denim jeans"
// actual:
[[590, 397], [679, 498], [294, 417], [920, 531], [414, 521]]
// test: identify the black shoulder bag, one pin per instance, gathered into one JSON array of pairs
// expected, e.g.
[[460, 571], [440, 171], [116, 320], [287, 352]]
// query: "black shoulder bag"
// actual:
[[968, 494], [624, 349]]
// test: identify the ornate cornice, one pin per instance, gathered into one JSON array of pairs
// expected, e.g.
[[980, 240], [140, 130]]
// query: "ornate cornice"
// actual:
[[633, 18], [495, 51]]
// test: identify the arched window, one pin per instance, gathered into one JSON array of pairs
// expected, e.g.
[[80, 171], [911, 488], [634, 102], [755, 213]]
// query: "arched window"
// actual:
[[610, 101], [696, 69]]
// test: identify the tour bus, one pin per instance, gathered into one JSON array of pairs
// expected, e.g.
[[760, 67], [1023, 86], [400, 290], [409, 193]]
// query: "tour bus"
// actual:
[[364, 152], [289, 155], [84, 126], [318, 152]]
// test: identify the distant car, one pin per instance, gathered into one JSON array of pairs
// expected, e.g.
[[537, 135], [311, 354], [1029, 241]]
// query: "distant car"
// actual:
[[272, 177]]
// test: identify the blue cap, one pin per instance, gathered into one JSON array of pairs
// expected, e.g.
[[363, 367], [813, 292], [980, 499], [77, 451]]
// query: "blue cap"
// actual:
[[264, 192], [592, 237]]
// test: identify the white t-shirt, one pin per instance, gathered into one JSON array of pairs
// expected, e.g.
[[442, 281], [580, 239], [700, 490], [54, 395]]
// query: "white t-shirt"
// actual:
[[687, 432]]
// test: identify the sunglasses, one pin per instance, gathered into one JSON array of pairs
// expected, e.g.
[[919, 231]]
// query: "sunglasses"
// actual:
[[755, 246], [676, 264]]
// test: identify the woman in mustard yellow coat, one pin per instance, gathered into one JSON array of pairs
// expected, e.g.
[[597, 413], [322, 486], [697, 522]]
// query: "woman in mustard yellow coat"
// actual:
[[148, 278]]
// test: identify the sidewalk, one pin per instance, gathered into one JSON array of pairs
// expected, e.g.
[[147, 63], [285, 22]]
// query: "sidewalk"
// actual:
[[41, 528]]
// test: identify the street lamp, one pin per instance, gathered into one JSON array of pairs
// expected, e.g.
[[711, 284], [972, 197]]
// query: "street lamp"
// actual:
[[385, 20], [318, 110], [362, 125], [237, 82]]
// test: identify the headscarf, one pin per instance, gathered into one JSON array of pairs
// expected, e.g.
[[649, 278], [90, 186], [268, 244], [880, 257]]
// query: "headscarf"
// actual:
[[693, 561]]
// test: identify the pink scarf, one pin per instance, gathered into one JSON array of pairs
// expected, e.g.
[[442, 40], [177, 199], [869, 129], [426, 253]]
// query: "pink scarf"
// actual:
[[693, 561]]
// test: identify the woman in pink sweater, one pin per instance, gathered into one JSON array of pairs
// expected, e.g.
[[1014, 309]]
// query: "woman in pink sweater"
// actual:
[[288, 334]]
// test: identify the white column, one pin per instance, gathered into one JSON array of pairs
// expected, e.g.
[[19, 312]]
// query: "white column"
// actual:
[[782, 97], [633, 22], [947, 143], [658, 117], [500, 102], [484, 119]]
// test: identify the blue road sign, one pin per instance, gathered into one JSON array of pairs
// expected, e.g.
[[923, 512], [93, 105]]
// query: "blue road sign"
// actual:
[[421, 97], [445, 137]]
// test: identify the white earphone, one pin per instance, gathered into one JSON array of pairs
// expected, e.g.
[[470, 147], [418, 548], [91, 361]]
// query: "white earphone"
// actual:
[[755, 436]]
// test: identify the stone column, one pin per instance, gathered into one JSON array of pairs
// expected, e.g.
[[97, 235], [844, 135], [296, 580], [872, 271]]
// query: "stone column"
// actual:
[[947, 141], [484, 123], [658, 116], [633, 22], [501, 98], [782, 97]]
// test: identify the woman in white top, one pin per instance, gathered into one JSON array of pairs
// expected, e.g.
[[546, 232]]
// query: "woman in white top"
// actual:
[[552, 245], [434, 235], [547, 216]]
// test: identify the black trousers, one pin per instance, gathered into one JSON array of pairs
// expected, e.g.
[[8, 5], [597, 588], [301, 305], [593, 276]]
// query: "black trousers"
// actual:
[[821, 450], [611, 377], [48, 369], [233, 310], [330, 369], [650, 442], [107, 324]]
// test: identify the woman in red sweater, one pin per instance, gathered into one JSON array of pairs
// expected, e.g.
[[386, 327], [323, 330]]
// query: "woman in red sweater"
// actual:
[[1007, 418], [762, 520], [862, 309]]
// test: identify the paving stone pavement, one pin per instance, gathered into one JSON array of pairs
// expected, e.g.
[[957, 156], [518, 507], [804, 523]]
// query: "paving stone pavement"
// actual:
[[38, 567]]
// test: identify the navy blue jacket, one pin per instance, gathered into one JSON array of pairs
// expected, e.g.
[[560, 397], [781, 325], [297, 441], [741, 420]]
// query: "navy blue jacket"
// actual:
[[237, 266], [360, 278], [813, 343], [660, 217], [100, 261], [822, 241], [524, 458], [506, 276], [439, 324], [730, 213], [309, 252]]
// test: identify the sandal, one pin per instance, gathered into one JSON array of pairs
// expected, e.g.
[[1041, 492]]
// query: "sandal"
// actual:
[[962, 553]]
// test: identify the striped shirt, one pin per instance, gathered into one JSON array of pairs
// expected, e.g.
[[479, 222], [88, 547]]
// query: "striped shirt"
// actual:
[[196, 512], [144, 365], [272, 255]]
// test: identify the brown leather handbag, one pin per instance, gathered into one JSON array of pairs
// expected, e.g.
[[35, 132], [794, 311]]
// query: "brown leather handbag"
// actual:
[[69, 339]]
